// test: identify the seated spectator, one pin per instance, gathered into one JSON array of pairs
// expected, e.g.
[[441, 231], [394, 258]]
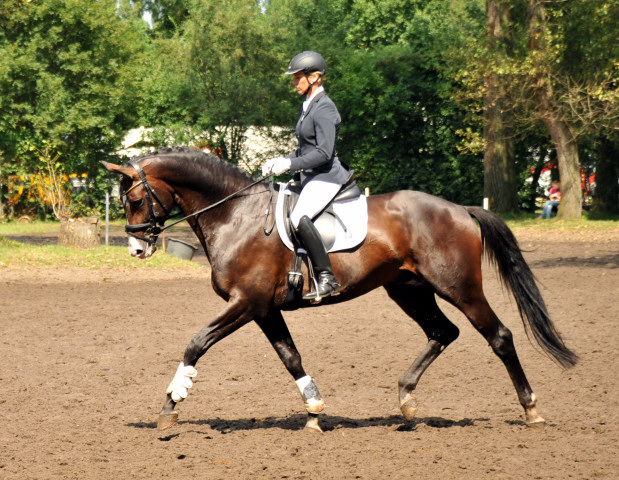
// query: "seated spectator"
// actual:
[[554, 195]]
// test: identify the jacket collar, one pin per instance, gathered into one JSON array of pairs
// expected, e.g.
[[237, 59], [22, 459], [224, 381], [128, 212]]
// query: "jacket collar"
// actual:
[[313, 101]]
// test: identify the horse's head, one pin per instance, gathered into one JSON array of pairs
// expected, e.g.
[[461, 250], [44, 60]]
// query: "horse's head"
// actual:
[[147, 204]]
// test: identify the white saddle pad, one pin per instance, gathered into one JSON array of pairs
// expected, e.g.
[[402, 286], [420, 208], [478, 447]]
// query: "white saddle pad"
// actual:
[[353, 214]]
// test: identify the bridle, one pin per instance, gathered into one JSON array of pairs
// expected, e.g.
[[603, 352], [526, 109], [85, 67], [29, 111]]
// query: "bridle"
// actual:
[[155, 227]]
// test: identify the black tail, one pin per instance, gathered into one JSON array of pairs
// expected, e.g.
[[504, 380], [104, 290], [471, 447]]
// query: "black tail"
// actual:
[[502, 249]]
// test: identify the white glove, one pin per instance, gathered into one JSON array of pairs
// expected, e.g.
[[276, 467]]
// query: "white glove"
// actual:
[[267, 167], [281, 165], [277, 166]]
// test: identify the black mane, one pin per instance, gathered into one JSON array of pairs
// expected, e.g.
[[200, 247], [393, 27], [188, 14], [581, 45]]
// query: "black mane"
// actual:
[[200, 168]]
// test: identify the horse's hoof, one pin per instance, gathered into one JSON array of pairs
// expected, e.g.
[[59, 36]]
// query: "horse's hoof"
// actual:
[[408, 408], [312, 424], [532, 419], [166, 420], [537, 422]]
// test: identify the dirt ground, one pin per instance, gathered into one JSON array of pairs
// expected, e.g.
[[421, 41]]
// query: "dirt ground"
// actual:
[[87, 356]]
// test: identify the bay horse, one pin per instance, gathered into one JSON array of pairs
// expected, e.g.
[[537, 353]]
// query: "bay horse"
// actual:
[[417, 247]]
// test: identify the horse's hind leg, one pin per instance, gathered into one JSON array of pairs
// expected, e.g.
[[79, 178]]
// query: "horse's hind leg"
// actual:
[[276, 330], [420, 304], [500, 339]]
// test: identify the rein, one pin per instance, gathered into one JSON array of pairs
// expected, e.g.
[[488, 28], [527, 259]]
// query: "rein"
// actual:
[[154, 228], [224, 200]]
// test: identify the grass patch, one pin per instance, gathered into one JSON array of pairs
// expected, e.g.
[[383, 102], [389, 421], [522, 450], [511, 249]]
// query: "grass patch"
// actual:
[[14, 253], [17, 228], [575, 225], [19, 254]]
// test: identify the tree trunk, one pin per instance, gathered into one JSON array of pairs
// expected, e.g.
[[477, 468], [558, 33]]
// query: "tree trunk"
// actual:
[[500, 185], [1, 199], [82, 233], [567, 152], [606, 196], [500, 182], [531, 200], [559, 130]]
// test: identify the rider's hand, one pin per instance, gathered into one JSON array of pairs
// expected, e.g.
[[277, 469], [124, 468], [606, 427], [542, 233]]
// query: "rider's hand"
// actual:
[[277, 166], [267, 167], [280, 165]]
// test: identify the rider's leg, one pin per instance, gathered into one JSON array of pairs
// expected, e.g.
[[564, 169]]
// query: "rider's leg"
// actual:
[[313, 199], [309, 236]]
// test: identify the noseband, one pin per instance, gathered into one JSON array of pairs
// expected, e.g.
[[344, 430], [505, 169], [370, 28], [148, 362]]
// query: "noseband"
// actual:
[[155, 227]]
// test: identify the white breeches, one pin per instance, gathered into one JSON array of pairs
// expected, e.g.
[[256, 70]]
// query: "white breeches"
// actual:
[[313, 199]]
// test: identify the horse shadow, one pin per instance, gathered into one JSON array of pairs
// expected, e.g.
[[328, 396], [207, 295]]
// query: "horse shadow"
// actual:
[[327, 423], [610, 261]]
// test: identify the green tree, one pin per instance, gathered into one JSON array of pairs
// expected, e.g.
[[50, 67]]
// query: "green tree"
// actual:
[[401, 126], [297, 25], [67, 80], [588, 88], [555, 72], [560, 130], [567, 80], [167, 16], [217, 76]]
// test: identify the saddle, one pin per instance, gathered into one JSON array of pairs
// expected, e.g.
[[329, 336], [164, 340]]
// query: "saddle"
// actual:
[[325, 221], [342, 225]]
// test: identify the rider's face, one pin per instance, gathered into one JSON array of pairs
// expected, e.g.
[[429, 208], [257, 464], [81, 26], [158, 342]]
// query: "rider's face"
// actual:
[[301, 82]]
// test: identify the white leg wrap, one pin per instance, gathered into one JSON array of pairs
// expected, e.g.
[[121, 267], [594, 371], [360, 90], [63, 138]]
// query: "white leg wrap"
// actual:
[[181, 382], [311, 396], [303, 382]]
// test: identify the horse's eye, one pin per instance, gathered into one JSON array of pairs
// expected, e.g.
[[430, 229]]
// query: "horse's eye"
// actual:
[[136, 204]]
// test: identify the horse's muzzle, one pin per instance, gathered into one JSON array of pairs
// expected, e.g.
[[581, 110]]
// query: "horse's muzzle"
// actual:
[[140, 249]]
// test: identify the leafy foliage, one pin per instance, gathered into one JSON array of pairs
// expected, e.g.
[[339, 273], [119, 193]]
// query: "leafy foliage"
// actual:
[[403, 127], [67, 80], [403, 136], [408, 77]]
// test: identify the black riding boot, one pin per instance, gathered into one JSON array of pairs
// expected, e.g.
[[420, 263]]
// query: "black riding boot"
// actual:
[[309, 236]]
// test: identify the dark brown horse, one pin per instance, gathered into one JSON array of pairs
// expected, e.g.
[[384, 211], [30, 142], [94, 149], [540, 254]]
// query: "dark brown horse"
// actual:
[[418, 246]]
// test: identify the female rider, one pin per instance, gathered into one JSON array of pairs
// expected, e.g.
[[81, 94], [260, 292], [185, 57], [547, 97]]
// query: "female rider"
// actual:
[[322, 173]]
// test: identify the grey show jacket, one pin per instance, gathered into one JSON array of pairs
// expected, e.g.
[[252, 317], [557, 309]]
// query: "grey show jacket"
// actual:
[[316, 135]]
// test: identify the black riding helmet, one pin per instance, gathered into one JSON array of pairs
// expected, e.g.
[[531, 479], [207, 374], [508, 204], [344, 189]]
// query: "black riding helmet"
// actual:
[[307, 62]]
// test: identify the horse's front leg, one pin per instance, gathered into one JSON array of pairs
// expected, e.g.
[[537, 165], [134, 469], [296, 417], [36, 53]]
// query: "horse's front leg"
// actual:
[[234, 316], [276, 330]]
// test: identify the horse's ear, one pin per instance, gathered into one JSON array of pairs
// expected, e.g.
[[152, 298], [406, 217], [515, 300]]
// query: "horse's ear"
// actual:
[[112, 167]]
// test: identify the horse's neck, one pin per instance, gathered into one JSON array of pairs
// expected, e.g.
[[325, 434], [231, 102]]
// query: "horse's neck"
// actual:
[[209, 191], [220, 213], [200, 191]]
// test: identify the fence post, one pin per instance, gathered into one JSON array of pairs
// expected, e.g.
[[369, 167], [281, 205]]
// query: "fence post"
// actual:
[[107, 217]]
